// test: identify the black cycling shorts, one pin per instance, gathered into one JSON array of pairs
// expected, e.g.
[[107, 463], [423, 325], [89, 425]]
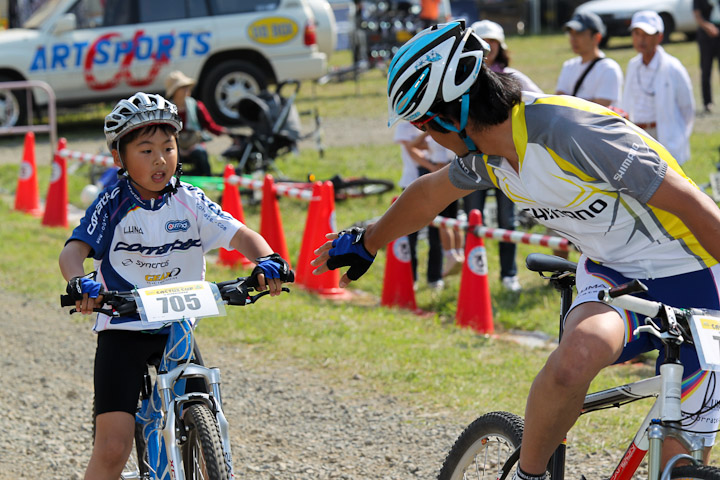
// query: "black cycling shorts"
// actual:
[[120, 361]]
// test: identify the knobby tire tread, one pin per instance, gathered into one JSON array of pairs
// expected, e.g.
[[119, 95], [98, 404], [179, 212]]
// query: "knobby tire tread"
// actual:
[[203, 430], [505, 425], [696, 472]]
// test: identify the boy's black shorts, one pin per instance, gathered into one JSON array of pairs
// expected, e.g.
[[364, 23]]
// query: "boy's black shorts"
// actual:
[[120, 361]]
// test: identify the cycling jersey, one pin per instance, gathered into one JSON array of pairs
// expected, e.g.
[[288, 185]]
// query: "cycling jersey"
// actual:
[[587, 173], [141, 243]]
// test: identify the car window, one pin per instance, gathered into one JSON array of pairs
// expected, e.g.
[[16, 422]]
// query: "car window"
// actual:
[[88, 13], [226, 7], [42, 13], [119, 12], [164, 10]]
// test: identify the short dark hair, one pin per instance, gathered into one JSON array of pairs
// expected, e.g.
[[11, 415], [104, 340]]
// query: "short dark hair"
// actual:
[[492, 97], [145, 130]]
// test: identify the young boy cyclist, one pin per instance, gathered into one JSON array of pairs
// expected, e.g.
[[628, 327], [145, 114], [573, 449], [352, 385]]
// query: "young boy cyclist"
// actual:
[[148, 229]]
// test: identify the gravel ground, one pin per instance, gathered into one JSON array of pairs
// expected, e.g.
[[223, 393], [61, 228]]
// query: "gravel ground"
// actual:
[[286, 423]]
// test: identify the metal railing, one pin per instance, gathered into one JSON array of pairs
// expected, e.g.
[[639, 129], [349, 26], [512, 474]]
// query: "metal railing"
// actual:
[[50, 127]]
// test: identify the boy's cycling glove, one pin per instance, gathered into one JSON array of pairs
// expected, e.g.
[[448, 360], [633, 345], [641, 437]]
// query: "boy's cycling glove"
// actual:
[[349, 251], [273, 266], [77, 286]]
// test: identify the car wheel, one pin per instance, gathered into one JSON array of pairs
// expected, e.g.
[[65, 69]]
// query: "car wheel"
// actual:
[[13, 106], [669, 26], [226, 84]]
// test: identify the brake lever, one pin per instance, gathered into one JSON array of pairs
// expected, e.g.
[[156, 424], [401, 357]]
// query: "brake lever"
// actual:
[[254, 298]]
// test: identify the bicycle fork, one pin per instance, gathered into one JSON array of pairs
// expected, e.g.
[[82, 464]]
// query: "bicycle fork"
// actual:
[[172, 406]]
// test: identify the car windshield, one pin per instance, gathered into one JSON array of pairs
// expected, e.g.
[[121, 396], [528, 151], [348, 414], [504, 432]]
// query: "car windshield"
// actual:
[[41, 14]]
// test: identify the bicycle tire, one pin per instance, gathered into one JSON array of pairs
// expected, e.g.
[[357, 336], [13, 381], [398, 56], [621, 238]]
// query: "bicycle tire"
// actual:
[[483, 447], [136, 466], [202, 453], [696, 472], [361, 187]]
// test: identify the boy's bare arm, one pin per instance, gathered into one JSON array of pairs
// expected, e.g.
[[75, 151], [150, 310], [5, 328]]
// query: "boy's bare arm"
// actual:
[[71, 259], [250, 243]]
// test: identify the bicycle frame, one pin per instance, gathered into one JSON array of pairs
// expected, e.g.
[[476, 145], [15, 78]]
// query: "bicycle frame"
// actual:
[[660, 422], [160, 412]]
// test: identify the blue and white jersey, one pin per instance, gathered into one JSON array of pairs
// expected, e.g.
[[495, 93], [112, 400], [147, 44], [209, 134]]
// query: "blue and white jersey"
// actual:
[[142, 243]]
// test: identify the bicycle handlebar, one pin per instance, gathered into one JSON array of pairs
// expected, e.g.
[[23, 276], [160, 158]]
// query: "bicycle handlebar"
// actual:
[[233, 292], [621, 297]]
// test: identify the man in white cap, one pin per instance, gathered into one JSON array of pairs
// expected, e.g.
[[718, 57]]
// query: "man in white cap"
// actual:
[[658, 93], [591, 75]]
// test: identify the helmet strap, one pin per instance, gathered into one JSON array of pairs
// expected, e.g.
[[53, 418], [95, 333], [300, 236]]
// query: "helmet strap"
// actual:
[[464, 112]]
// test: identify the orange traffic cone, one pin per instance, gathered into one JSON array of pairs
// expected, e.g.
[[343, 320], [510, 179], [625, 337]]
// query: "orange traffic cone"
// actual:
[[398, 282], [303, 269], [270, 221], [320, 221], [231, 204], [56, 202], [27, 198], [474, 309]]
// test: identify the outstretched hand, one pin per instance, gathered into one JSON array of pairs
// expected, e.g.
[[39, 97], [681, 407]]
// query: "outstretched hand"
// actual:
[[344, 249]]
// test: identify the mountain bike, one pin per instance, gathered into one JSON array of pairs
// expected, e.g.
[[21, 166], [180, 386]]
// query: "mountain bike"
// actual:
[[179, 433], [490, 446]]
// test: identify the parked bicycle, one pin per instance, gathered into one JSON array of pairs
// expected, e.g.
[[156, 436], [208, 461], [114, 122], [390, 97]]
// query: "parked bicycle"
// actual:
[[490, 446], [180, 433]]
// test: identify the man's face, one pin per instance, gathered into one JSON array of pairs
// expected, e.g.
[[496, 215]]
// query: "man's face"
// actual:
[[582, 42], [645, 44]]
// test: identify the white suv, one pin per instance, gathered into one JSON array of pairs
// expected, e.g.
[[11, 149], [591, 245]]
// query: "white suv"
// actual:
[[103, 50]]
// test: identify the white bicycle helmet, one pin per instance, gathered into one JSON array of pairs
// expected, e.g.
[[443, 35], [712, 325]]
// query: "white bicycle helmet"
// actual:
[[440, 63], [137, 111]]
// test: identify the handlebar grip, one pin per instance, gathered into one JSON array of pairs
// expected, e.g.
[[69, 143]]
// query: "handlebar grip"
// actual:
[[66, 301], [636, 286], [634, 304]]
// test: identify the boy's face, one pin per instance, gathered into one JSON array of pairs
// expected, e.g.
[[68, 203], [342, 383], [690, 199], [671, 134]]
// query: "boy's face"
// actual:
[[150, 160]]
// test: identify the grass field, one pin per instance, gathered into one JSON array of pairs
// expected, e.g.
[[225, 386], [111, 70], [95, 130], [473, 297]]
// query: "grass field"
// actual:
[[425, 360]]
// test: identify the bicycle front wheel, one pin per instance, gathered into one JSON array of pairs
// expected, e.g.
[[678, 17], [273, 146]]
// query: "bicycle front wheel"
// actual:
[[483, 448], [696, 472], [202, 452]]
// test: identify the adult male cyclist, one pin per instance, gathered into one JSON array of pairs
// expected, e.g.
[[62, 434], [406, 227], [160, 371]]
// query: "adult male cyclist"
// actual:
[[579, 169]]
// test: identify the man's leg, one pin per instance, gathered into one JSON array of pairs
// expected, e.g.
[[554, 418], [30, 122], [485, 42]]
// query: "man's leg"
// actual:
[[593, 339]]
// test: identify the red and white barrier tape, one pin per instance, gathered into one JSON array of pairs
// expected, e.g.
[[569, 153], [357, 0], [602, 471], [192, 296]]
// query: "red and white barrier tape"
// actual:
[[285, 189], [95, 159], [512, 236]]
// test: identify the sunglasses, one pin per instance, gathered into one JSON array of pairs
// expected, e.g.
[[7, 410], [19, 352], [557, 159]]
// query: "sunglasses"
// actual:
[[420, 124]]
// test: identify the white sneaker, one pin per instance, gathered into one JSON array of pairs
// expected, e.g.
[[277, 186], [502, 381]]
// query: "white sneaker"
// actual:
[[451, 265], [511, 283], [436, 286]]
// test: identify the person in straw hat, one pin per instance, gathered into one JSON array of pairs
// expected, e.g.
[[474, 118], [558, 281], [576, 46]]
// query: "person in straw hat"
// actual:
[[196, 123]]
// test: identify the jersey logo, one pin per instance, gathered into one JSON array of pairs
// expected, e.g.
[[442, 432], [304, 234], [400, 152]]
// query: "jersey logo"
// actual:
[[177, 226]]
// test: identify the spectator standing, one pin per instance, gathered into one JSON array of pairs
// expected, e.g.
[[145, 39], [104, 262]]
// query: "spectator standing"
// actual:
[[498, 59], [658, 94], [590, 75], [420, 155], [196, 123], [707, 16], [429, 12]]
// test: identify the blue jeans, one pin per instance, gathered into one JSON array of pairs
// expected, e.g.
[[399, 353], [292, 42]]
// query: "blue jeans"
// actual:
[[505, 219]]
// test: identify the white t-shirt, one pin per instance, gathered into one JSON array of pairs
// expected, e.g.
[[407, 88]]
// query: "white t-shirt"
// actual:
[[405, 132], [604, 81]]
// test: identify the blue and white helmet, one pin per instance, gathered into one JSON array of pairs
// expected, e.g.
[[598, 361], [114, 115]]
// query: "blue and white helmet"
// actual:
[[137, 111], [440, 63]]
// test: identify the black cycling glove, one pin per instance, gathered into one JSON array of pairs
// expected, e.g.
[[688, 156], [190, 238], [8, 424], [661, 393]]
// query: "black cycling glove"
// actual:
[[349, 251], [77, 286], [273, 266]]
